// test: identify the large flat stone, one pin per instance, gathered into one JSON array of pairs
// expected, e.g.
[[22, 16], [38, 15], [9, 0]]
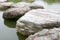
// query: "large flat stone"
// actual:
[[14, 13], [35, 20], [46, 34]]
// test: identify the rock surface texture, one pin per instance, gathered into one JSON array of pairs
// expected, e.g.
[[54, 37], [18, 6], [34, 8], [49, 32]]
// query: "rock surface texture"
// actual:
[[35, 5], [5, 5], [46, 34], [31, 5], [35, 20], [20, 4], [17, 9], [15, 12]]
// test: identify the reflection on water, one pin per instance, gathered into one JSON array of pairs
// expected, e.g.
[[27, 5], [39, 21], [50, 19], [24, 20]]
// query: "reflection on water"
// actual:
[[8, 30], [21, 37], [52, 1], [5, 32], [7, 27], [10, 23]]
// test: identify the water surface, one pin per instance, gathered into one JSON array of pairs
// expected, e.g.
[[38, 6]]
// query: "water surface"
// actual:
[[8, 30], [7, 27]]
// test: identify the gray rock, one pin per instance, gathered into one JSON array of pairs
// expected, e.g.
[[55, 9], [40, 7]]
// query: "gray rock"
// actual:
[[36, 6], [35, 20], [5, 5], [59, 35], [21, 4], [15, 12], [31, 5], [46, 36]]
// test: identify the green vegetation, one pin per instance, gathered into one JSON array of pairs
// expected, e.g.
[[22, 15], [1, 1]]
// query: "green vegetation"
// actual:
[[14, 0], [20, 0], [52, 1]]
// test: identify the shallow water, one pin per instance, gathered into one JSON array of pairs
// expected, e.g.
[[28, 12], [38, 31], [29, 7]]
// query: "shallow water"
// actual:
[[8, 30], [7, 27]]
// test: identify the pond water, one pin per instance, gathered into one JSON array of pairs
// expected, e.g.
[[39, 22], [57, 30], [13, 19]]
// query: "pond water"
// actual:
[[7, 27]]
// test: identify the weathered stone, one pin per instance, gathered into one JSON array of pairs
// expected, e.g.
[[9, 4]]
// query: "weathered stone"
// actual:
[[36, 6], [35, 20], [5, 5], [59, 36], [3, 0], [21, 4], [15, 12], [31, 5], [47, 36]]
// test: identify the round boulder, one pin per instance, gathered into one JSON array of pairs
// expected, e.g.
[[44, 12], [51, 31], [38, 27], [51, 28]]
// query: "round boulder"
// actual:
[[15, 12], [5, 5]]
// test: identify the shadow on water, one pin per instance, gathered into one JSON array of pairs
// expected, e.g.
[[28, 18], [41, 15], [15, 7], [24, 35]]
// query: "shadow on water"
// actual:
[[21, 37], [10, 23], [52, 1]]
